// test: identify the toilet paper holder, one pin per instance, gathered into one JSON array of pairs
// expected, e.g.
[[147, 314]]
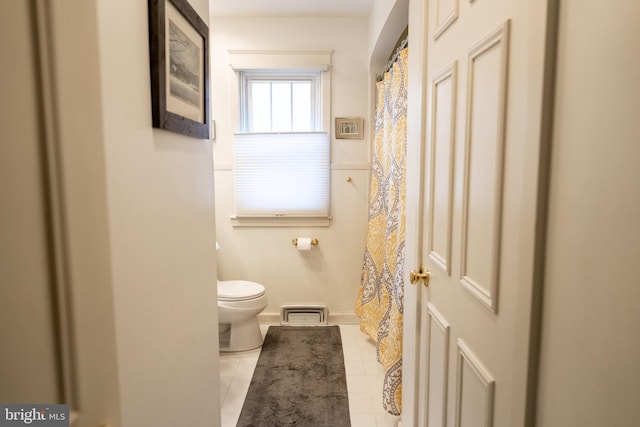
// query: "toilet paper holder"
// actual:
[[314, 242]]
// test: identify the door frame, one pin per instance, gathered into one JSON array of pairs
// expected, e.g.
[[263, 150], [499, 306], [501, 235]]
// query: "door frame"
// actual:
[[416, 131], [75, 180]]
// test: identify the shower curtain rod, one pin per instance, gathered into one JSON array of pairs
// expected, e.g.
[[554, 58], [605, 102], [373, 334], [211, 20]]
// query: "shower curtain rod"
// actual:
[[393, 59]]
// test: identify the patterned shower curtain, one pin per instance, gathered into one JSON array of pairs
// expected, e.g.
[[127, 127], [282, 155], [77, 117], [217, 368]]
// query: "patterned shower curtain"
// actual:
[[380, 299]]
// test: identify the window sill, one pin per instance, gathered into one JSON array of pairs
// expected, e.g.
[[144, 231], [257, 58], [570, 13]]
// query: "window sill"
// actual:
[[280, 221]]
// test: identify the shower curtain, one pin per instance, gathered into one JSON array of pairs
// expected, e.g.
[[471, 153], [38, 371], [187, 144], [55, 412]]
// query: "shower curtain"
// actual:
[[380, 299]]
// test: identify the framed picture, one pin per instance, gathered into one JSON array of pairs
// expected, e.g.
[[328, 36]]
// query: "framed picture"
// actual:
[[179, 59], [349, 128]]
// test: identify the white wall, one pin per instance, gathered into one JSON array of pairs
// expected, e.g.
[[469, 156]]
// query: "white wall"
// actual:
[[162, 233], [590, 343], [329, 274]]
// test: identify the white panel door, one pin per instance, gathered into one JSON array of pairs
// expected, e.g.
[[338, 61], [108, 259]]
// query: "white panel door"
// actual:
[[474, 148]]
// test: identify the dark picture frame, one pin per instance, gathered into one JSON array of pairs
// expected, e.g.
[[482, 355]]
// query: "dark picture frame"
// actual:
[[179, 61]]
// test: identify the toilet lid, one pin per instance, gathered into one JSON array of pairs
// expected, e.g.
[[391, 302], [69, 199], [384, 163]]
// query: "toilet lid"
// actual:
[[238, 290]]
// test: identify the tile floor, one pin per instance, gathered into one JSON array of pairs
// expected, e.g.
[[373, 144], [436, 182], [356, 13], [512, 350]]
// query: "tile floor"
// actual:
[[364, 380]]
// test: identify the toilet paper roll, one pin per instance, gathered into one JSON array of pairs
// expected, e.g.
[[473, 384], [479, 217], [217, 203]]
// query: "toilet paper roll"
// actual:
[[304, 243]]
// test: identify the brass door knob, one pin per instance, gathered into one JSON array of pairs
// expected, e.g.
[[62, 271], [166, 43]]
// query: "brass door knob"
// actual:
[[422, 275]]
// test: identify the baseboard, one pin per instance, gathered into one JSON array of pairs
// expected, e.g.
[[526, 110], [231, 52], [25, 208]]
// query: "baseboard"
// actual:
[[269, 318], [343, 319], [334, 319]]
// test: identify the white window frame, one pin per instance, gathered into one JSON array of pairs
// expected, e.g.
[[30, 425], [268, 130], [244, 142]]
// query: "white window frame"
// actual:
[[278, 61], [283, 63], [248, 76]]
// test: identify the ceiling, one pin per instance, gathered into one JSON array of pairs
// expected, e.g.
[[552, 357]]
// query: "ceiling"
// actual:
[[299, 8]]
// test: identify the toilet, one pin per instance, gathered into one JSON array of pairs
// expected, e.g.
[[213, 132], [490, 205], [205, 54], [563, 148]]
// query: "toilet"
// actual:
[[239, 303]]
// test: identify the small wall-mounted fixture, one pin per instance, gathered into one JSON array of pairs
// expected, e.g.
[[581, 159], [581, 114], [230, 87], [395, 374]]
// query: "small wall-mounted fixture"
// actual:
[[314, 242], [349, 127]]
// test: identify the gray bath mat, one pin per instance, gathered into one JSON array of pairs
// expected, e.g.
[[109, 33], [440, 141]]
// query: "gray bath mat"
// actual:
[[299, 380]]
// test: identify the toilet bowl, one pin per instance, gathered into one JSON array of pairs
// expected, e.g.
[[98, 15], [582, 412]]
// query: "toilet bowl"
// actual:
[[239, 303]]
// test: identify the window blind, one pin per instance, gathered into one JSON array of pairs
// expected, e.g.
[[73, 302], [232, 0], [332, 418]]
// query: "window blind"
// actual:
[[282, 174]]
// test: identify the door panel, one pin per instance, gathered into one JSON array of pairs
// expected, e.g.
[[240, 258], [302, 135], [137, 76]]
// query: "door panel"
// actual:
[[446, 14], [442, 151], [438, 367], [474, 399], [483, 167]]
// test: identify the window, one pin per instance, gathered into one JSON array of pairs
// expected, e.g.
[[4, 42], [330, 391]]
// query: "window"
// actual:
[[280, 102], [281, 152]]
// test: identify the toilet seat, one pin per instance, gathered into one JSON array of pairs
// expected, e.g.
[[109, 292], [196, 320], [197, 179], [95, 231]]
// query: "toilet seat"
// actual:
[[239, 290]]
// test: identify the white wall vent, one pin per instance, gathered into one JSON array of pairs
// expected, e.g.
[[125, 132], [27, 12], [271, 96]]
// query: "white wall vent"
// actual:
[[303, 315]]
